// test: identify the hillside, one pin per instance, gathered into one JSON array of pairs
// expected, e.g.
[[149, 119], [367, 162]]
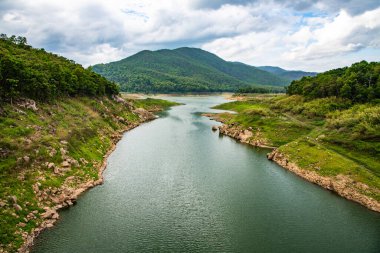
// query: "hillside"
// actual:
[[26, 71], [287, 74], [184, 70], [54, 136], [360, 83], [320, 131]]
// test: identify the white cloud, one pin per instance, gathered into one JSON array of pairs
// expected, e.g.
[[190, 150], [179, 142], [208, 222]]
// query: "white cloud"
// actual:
[[303, 34]]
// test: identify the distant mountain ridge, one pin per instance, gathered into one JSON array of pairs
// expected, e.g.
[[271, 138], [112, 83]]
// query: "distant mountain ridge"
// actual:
[[287, 74], [185, 70]]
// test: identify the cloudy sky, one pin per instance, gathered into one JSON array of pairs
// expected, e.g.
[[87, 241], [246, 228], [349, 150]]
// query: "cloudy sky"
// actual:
[[313, 35]]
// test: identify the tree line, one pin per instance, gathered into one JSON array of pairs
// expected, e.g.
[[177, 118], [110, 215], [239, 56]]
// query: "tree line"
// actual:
[[360, 83], [37, 74]]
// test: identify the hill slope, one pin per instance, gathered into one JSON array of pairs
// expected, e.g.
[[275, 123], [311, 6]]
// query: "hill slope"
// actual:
[[36, 74], [184, 70], [287, 74]]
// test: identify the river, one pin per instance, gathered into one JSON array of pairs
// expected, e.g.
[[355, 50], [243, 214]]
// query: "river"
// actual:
[[173, 185]]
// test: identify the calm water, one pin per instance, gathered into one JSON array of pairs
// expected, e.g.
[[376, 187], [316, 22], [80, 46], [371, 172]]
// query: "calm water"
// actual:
[[172, 185]]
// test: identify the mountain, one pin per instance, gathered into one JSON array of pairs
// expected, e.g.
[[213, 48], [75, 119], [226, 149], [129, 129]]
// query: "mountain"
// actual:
[[287, 74], [184, 70]]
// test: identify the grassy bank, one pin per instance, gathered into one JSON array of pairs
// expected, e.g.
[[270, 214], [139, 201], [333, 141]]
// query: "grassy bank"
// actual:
[[58, 143], [330, 136]]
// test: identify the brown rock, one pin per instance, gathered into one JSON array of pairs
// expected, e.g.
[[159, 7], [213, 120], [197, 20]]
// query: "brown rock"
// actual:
[[21, 224], [214, 128], [26, 159], [13, 199], [65, 164], [17, 207]]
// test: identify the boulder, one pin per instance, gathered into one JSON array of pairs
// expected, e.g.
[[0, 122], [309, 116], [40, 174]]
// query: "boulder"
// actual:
[[65, 164], [13, 199], [17, 207], [21, 224], [214, 128], [51, 165], [63, 151], [26, 159]]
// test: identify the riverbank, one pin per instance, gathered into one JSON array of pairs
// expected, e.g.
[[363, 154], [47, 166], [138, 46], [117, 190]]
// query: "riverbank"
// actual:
[[305, 146], [63, 155]]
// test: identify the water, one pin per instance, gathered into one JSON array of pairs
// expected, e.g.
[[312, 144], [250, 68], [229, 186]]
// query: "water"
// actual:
[[172, 185]]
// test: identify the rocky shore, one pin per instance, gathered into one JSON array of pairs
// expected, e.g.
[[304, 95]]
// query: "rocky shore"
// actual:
[[66, 195], [340, 184]]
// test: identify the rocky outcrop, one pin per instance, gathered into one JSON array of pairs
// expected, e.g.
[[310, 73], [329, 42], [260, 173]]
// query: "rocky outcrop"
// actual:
[[341, 184], [248, 136], [27, 103]]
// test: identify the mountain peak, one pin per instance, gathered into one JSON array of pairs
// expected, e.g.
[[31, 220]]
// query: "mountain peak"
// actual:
[[185, 69]]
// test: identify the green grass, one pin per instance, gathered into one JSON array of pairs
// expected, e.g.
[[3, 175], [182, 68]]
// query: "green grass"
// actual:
[[153, 103], [330, 136]]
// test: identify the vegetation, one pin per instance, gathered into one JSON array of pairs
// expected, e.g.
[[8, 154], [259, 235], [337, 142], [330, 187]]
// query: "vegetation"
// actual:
[[330, 136], [359, 83], [184, 70], [287, 74], [262, 90], [34, 73], [153, 104]]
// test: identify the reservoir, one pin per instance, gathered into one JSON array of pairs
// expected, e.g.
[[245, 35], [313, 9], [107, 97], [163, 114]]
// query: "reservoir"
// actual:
[[173, 185]]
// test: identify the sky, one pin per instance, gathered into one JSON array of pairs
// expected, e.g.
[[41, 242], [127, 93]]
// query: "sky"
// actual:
[[311, 35]]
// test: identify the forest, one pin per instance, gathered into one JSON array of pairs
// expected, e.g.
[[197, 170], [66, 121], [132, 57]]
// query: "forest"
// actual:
[[359, 83], [37, 74]]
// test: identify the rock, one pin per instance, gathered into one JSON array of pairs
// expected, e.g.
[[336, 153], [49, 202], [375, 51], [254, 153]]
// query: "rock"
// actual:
[[26, 159], [63, 151], [48, 214], [52, 152], [270, 155], [83, 161], [74, 162], [56, 170], [65, 164], [64, 142], [49, 225], [13, 199], [21, 224], [214, 128], [2, 203], [51, 165], [17, 207]]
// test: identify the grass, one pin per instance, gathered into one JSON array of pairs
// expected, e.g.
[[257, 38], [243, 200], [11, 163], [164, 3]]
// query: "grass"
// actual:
[[329, 136], [86, 124]]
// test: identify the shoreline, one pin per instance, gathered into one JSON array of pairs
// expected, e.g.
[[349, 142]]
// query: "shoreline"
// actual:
[[69, 197], [340, 184]]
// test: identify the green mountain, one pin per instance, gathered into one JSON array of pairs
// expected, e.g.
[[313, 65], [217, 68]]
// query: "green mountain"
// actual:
[[184, 70], [287, 74]]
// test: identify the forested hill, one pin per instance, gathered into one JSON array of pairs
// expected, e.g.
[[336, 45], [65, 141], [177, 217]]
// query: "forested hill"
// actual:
[[36, 74], [287, 74], [359, 83], [184, 70]]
